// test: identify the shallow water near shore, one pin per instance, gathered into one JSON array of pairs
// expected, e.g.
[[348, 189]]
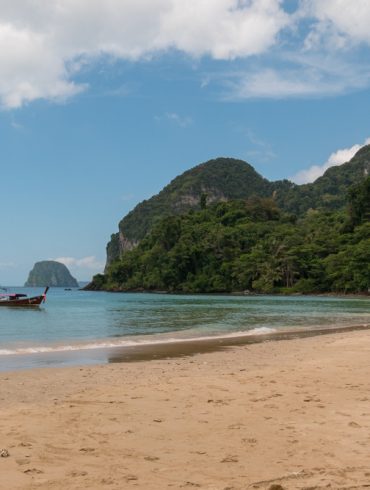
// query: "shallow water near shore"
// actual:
[[84, 323]]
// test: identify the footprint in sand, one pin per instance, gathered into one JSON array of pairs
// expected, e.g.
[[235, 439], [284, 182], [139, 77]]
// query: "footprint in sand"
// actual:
[[250, 440], [22, 461], [75, 474], [33, 471], [230, 459], [151, 458], [25, 444], [131, 478], [87, 449]]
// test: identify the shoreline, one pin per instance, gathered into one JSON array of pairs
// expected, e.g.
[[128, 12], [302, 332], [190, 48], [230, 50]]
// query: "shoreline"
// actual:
[[188, 348], [327, 294], [157, 350], [293, 413]]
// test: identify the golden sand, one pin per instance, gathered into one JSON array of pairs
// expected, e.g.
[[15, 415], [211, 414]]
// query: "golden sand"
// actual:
[[294, 413]]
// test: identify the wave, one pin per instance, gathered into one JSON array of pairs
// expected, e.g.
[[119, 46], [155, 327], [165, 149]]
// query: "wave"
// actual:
[[104, 344]]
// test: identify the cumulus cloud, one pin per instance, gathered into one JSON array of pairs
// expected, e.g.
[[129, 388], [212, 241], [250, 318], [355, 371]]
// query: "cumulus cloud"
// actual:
[[30, 68], [225, 29], [44, 44], [339, 19], [337, 158], [90, 262]]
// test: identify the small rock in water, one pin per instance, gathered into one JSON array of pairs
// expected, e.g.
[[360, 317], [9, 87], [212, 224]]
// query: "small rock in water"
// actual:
[[4, 453]]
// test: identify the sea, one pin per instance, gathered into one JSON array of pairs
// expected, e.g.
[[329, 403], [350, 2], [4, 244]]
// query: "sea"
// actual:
[[79, 327]]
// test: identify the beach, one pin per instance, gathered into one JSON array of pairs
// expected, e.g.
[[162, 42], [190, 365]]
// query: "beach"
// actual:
[[294, 413]]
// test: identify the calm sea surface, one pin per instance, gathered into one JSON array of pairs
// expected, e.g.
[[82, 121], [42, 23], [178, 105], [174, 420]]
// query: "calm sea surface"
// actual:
[[86, 321]]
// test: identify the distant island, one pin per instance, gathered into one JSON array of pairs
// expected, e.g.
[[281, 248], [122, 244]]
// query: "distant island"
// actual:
[[50, 273], [220, 227]]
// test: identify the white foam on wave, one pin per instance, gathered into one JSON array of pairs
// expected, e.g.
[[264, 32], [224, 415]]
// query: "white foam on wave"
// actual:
[[260, 331], [130, 343], [6, 352]]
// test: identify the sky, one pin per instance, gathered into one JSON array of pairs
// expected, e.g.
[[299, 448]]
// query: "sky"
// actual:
[[103, 102]]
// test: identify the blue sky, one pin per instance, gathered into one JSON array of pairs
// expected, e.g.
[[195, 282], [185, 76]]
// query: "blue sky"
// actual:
[[104, 102]]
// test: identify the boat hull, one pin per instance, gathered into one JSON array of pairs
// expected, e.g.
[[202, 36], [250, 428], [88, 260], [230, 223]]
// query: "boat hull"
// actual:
[[34, 301]]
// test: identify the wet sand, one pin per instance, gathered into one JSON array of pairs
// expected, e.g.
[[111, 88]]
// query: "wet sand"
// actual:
[[294, 413], [160, 350]]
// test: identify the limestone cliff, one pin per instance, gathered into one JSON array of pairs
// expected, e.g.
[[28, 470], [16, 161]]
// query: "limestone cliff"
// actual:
[[225, 179], [217, 180], [50, 273]]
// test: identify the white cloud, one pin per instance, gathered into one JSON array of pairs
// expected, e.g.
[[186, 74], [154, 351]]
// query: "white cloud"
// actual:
[[274, 83], [302, 74], [44, 43], [182, 121], [90, 262], [338, 18], [337, 158], [30, 69], [224, 29]]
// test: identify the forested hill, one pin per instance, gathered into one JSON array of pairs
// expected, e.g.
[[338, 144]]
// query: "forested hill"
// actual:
[[330, 190], [218, 180], [225, 179], [251, 245]]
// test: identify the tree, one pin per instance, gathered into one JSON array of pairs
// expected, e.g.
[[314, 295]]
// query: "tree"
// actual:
[[359, 202]]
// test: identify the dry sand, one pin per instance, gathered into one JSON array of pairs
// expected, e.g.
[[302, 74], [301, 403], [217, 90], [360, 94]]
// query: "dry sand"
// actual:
[[294, 413]]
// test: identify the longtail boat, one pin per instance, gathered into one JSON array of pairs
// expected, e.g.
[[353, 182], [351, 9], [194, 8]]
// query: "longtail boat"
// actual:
[[16, 299]]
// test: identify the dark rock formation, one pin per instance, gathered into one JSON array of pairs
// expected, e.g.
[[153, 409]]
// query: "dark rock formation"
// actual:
[[50, 273]]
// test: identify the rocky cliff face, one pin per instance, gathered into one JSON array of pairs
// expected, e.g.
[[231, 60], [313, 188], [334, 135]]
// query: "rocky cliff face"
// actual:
[[217, 180], [50, 273], [225, 179], [118, 245]]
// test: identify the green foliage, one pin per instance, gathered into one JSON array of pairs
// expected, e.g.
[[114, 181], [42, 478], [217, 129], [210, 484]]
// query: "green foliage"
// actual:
[[219, 179], [203, 200], [225, 179], [359, 202], [247, 245], [329, 191], [208, 231]]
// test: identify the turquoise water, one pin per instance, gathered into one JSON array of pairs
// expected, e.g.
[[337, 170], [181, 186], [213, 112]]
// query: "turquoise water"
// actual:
[[84, 321]]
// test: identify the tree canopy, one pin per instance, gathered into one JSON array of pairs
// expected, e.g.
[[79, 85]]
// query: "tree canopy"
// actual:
[[251, 245]]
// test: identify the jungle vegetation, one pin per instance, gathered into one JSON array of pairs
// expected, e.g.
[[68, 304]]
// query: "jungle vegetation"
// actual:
[[252, 245], [225, 179]]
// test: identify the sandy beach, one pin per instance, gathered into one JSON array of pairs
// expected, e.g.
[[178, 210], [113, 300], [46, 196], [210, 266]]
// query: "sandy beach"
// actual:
[[293, 414]]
